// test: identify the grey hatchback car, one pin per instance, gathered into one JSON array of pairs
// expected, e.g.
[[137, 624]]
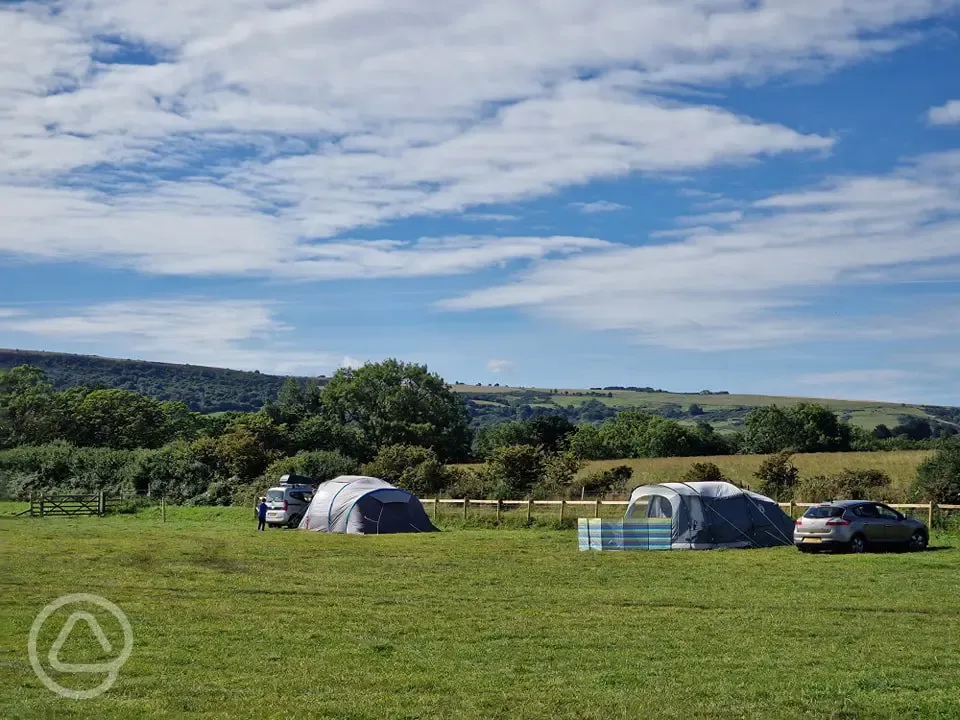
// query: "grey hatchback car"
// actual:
[[857, 525]]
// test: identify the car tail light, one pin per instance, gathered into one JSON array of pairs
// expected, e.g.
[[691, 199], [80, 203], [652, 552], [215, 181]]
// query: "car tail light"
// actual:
[[284, 504], [799, 521], [838, 521]]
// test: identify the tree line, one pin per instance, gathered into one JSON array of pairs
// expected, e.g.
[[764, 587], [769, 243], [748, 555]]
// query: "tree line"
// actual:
[[391, 419]]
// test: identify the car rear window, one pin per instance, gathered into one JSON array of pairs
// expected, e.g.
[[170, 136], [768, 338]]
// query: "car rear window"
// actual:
[[824, 511], [274, 495]]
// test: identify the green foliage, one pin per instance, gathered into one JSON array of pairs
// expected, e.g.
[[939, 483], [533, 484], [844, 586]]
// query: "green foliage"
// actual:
[[588, 444], [704, 472], [778, 477], [551, 433], [938, 478], [321, 465], [202, 389], [397, 403], [603, 482], [513, 471], [118, 419], [412, 468], [805, 427], [846, 485]]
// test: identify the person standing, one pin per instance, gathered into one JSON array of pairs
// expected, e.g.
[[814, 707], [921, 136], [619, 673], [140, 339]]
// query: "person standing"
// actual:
[[262, 515]]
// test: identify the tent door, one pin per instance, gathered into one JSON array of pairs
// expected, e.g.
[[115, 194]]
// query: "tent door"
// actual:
[[659, 507]]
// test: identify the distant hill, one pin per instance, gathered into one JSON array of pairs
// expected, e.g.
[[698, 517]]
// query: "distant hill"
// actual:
[[204, 389], [208, 389], [492, 404]]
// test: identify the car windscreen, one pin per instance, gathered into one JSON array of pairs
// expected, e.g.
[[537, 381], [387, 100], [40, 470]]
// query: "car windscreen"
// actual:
[[823, 511], [274, 495]]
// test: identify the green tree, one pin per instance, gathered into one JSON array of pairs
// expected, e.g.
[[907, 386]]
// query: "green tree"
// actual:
[[321, 465], [624, 436], [410, 467], [394, 403], [119, 419], [319, 433], [938, 477], [818, 429], [769, 429], [30, 413], [588, 444], [777, 476], [513, 471]]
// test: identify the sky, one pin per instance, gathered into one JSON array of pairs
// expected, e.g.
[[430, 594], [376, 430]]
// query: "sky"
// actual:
[[744, 195]]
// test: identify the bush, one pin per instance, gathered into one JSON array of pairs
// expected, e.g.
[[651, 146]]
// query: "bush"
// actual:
[[513, 471], [411, 467], [846, 485], [938, 478], [320, 465], [472, 484], [603, 482], [704, 472], [778, 477]]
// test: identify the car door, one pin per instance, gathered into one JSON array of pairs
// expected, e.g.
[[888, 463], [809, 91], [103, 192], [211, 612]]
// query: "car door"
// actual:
[[870, 522], [895, 529]]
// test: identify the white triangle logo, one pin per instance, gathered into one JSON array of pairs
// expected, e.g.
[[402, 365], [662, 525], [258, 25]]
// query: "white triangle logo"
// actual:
[[91, 621]]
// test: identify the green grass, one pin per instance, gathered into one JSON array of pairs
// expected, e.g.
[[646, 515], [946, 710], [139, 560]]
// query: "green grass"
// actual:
[[900, 465], [467, 624]]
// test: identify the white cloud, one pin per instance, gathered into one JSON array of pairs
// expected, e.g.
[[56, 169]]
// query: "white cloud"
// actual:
[[351, 362], [239, 334], [948, 114], [600, 206], [755, 282], [264, 124], [498, 366]]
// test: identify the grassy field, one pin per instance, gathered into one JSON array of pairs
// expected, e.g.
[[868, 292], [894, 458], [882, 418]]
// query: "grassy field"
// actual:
[[467, 624], [900, 465]]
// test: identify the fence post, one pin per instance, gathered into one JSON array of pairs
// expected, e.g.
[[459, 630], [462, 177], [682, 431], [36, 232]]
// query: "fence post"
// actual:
[[563, 504], [930, 515], [529, 509], [499, 509], [436, 507], [148, 489], [41, 504], [792, 510], [31, 504], [596, 512], [101, 504], [163, 508], [466, 503]]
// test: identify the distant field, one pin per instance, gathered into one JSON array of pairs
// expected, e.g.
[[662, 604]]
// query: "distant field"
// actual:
[[900, 465], [470, 624], [866, 414]]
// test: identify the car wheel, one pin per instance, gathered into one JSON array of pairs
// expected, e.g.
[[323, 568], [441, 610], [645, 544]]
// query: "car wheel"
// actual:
[[858, 544], [918, 542]]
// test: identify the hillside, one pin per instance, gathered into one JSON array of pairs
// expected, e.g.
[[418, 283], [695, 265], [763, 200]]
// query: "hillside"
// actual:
[[724, 411], [204, 389], [209, 389]]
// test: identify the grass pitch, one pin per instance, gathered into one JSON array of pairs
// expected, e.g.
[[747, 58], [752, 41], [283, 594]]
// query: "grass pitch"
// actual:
[[464, 623]]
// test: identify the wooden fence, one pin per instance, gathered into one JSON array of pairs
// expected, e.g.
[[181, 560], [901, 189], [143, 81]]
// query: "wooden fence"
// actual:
[[791, 507], [73, 505]]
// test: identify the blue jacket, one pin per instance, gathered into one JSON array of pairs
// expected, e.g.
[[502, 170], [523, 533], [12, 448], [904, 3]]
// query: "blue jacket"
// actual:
[[262, 511]]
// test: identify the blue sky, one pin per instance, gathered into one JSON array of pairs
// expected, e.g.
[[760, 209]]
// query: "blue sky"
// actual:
[[751, 196]]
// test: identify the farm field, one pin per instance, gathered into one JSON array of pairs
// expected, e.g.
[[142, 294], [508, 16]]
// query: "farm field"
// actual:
[[900, 465], [472, 623], [723, 411]]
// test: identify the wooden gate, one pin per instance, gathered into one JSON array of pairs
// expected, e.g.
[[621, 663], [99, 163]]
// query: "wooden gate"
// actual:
[[76, 504]]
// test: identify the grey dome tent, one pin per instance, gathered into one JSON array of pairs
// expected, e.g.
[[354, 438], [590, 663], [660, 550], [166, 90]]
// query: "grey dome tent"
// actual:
[[708, 515], [365, 506]]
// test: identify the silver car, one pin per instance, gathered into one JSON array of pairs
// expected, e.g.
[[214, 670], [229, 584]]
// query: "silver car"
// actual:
[[855, 526]]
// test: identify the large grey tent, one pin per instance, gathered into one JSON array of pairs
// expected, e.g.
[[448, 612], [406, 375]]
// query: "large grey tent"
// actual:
[[709, 515], [365, 506]]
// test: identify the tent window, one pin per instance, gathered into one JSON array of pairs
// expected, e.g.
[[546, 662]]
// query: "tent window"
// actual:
[[659, 507]]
